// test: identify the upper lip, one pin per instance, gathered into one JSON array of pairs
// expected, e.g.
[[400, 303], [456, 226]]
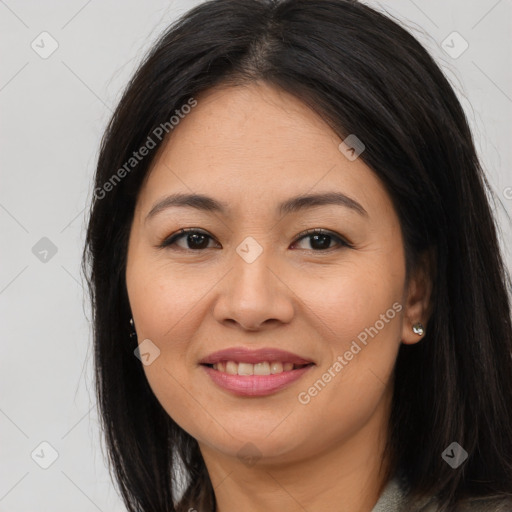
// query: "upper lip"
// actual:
[[245, 355]]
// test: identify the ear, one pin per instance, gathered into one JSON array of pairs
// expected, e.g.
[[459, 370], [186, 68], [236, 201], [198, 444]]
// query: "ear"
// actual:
[[418, 297]]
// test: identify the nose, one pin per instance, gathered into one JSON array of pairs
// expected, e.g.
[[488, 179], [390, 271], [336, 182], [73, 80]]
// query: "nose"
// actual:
[[254, 296]]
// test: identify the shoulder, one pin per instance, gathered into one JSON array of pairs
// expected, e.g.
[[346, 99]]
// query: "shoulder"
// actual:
[[487, 504], [480, 504], [395, 498]]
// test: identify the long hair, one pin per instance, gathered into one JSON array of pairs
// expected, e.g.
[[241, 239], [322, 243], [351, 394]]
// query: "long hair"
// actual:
[[366, 75]]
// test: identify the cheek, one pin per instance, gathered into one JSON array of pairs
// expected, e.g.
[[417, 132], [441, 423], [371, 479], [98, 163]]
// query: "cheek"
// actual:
[[163, 306], [164, 301], [358, 319], [352, 298], [168, 307]]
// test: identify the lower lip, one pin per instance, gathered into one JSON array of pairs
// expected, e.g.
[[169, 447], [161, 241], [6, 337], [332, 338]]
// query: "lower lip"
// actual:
[[255, 385]]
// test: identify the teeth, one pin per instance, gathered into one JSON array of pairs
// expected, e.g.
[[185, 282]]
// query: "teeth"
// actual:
[[263, 368], [245, 369], [231, 367], [276, 367]]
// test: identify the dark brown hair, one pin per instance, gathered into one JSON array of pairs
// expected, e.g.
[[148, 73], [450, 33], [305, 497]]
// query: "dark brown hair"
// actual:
[[365, 75]]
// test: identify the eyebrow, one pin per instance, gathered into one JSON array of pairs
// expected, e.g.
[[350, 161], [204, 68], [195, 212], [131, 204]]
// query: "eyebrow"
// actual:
[[294, 204]]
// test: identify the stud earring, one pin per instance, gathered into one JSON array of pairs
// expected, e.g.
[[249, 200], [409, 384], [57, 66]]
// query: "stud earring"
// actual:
[[418, 329], [133, 333]]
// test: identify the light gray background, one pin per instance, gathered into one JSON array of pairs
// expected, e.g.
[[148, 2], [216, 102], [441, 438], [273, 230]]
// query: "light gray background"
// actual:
[[53, 112]]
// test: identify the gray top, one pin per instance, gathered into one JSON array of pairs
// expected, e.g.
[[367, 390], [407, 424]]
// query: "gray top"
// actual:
[[393, 499]]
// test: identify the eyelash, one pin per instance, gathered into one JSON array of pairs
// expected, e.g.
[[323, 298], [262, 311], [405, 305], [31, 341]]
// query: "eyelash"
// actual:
[[171, 240]]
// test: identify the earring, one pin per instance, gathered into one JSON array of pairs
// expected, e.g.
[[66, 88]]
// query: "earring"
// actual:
[[133, 333], [418, 329]]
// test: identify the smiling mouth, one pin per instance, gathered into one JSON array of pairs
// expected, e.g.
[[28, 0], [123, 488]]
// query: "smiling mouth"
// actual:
[[261, 368]]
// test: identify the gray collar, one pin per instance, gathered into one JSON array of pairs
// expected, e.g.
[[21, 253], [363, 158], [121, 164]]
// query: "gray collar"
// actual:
[[394, 499]]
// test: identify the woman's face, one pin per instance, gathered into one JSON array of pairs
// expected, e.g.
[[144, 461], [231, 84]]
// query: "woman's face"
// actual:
[[250, 279]]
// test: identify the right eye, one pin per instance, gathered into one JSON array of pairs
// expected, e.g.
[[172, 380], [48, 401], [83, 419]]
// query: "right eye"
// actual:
[[195, 238]]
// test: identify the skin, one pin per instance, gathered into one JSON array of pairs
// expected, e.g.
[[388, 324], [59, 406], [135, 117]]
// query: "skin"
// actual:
[[253, 147]]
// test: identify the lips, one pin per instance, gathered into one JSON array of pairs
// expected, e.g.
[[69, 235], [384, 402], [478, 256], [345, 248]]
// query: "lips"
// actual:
[[245, 355], [260, 372]]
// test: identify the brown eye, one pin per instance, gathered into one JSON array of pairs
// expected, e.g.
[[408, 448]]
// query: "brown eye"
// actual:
[[195, 239], [320, 239]]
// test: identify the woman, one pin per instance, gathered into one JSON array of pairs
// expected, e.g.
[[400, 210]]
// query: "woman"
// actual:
[[299, 301]]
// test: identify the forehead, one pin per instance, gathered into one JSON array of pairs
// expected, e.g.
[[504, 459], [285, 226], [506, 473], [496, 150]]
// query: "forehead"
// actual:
[[257, 144], [255, 120]]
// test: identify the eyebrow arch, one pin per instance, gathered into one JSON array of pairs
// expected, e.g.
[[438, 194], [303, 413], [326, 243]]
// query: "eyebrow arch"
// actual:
[[302, 202], [294, 204]]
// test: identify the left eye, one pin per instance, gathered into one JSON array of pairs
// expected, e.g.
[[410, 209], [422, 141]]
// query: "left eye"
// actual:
[[197, 240], [321, 239]]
